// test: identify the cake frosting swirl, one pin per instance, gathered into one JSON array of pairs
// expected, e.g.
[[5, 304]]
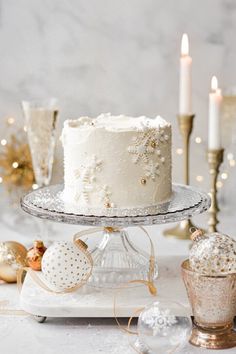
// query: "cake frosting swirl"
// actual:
[[116, 162]]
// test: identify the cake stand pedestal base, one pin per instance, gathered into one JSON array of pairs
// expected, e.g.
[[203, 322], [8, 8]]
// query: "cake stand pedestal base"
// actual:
[[116, 259]]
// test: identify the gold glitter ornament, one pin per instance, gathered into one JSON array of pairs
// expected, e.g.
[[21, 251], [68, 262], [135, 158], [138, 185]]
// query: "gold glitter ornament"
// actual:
[[12, 257], [212, 254]]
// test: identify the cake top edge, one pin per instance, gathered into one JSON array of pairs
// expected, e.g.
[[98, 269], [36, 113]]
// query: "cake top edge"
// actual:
[[116, 123]]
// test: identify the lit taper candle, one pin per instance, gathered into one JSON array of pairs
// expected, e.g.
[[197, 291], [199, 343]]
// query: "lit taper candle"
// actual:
[[215, 103], [185, 84]]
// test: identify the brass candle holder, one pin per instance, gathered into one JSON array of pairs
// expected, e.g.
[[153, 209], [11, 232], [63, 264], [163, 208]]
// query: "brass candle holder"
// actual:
[[215, 158], [182, 230]]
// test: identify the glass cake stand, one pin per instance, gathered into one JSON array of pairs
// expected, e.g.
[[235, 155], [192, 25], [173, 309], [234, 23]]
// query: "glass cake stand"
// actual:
[[116, 259]]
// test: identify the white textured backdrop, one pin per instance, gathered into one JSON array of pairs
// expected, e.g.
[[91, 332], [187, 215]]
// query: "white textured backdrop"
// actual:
[[120, 56]]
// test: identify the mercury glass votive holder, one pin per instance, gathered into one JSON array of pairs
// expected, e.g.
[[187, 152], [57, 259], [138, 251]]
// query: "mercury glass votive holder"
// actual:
[[213, 302]]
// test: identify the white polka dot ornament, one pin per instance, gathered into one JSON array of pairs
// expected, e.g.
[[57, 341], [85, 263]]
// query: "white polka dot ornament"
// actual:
[[66, 265]]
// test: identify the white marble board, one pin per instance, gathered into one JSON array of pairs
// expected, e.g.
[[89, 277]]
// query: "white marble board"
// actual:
[[90, 302]]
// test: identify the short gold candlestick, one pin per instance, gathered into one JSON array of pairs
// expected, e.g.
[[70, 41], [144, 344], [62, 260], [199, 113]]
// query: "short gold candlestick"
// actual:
[[215, 158], [182, 230]]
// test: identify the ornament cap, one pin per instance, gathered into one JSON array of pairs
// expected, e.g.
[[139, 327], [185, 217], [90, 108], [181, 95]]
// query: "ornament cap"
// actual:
[[82, 244], [38, 244], [196, 235]]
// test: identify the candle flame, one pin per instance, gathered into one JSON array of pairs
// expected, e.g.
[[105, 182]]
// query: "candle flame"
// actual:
[[214, 83], [184, 45]]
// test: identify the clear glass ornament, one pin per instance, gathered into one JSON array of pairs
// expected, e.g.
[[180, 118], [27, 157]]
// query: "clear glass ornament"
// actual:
[[161, 330]]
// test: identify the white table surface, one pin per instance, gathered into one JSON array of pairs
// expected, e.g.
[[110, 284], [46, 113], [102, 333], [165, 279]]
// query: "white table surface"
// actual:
[[19, 333]]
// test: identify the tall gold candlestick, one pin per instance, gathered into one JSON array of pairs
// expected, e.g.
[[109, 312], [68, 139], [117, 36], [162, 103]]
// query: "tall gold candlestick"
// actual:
[[215, 158], [186, 127], [182, 230]]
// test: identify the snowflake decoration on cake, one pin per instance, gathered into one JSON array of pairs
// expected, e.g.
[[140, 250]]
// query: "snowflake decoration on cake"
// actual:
[[152, 169], [85, 178], [83, 189], [146, 144], [104, 194], [85, 183], [94, 164], [141, 148]]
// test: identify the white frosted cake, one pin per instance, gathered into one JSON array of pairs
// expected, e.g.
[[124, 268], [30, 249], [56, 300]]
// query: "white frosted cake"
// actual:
[[116, 165]]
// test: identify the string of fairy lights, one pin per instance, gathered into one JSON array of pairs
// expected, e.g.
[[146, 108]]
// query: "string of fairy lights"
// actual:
[[3, 142], [229, 163], [15, 160]]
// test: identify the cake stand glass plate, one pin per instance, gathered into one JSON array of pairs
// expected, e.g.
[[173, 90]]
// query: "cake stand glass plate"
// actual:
[[46, 203], [116, 259]]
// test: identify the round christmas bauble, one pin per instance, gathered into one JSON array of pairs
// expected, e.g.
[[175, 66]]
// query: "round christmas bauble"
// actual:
[[35, 255], [12, 257], [213, 254], [66, 265], [161, 329]]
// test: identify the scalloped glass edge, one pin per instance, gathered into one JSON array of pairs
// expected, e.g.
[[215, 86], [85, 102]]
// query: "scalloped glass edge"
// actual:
[[46, 203]]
